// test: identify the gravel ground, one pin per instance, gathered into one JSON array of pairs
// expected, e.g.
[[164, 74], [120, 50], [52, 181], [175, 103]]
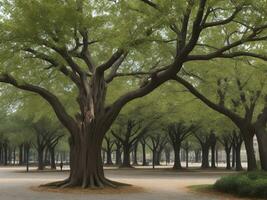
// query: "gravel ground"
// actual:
[[158, 184]]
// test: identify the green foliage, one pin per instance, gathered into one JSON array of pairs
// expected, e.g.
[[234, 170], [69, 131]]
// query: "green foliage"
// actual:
[[146, 35], [252, 184]]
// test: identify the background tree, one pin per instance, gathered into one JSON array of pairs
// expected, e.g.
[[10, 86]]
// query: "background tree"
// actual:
[[178, 132], [239, 98]]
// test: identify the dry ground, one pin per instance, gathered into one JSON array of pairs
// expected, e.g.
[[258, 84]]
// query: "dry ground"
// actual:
[[158, 184]]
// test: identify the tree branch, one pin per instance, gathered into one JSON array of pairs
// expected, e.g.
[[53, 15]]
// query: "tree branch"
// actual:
[[60, 111], [221, 109], [196, 30], [223, 22], [113, 59], [150, 3], [62, 68]]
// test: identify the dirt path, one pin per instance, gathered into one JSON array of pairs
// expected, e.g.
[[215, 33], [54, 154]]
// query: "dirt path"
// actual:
[[158, 184]]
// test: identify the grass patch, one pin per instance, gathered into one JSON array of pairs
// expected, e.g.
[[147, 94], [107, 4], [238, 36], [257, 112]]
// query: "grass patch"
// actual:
[[250, 184], [201, 188]]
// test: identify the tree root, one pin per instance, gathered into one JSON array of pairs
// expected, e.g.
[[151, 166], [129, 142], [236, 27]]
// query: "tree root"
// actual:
[[93, 182], [67, 185], [56, 184]]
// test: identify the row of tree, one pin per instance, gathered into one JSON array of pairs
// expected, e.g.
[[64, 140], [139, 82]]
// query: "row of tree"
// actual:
[[89, 59]]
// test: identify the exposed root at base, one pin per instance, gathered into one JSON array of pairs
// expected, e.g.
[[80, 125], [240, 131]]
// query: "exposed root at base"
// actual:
[[55, 184], [70, 189], [93, 183]]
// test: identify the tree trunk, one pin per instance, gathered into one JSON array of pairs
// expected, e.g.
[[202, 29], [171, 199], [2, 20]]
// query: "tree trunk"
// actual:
[[213, 160], [144, 163], [135, 162], [233, 156], [118, 154], [1, 154], [238, 166], [109, 156], [21, 154], [40, 159], [126, 156], [251, 159], [186, 157], [197, 153], [27, 155], [103, 156], [85, 164], [177, 158], [87, 135], [24, 155], [262, 144], [228, 158], [205, 156], [217, 157], [157, 157], [86, 167], [212, 141], [5, 153], [46, 157], [167, 156], [52, 158], [153, 158]]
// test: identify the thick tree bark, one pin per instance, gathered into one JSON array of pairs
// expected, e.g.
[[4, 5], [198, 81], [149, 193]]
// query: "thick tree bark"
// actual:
[[261, 133], [85, 161], [103, 156], [262, 144]]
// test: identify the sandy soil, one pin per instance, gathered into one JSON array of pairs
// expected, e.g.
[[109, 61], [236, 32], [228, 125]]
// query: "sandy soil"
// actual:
[[158, 184]]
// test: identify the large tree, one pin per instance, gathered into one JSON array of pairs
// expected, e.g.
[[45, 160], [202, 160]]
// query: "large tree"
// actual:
[[86, 45], [240, 96], [178, 132]]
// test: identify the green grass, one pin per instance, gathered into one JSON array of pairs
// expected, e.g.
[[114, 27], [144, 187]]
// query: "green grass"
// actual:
[[252, 184], [201, 188]]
